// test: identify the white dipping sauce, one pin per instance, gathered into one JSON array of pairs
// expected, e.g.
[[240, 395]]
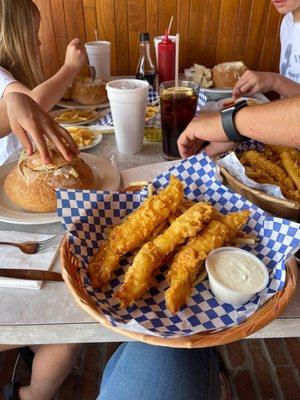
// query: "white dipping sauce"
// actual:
[[237, 271]]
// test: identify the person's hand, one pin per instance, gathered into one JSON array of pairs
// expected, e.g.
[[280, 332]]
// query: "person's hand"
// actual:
[[252, 82], [27, 120], [76, 56], [204, 128]]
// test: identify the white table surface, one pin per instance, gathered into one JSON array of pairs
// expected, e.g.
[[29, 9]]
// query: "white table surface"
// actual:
[[50, 315]]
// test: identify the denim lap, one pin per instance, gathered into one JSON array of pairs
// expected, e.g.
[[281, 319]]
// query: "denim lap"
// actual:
[[138, 371]]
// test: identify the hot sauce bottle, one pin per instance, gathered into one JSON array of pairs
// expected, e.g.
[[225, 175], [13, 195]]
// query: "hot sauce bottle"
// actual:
[[145, 69], [166, 60]]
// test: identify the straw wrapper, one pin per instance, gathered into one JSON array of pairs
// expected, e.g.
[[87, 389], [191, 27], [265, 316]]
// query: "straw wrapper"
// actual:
[[86, 214]]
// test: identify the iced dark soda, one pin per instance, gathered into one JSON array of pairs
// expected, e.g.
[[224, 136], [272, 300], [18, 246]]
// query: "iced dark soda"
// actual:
[[178, 108]]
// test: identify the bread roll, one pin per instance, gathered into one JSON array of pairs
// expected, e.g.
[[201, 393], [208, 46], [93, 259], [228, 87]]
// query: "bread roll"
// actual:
[[31, 184], [225, 75], [202, 76], [86, 91]]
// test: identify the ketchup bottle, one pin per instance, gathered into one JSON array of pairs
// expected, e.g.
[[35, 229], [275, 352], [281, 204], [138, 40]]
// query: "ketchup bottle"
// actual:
[[166, 60]]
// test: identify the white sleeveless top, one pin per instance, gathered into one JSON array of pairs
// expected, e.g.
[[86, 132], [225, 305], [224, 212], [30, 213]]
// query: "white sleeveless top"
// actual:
[[9, 144]]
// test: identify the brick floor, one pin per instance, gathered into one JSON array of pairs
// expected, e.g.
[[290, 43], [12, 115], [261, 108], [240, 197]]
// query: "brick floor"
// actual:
[[263, 369], [257, 369]]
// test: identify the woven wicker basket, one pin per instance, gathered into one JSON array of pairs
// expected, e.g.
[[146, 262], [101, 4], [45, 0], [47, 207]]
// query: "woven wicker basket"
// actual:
[[279, 207], [267, 313]]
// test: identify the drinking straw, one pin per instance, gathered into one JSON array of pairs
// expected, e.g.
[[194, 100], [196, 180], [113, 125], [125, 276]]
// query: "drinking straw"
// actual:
[[176, 59], [166, 35], [170, 24], [96, 35]]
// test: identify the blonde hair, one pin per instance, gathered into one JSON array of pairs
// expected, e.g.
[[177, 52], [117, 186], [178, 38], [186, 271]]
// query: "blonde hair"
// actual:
[[18, 47]]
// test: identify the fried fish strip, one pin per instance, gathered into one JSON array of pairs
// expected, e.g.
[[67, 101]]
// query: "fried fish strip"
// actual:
[[261, 177], [133, 231], [271, 155], [152, 255], [234, 221], [291, 166], [187, 262], [279, 149], [259, 161]]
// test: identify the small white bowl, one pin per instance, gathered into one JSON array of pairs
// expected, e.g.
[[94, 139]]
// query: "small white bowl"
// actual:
[[229, 295]]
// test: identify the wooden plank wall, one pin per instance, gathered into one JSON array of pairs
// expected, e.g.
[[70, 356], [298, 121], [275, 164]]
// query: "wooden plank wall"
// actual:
[[211, 31]]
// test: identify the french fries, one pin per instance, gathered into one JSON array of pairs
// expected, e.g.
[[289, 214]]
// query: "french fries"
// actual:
[[75, 116], [82, 136], [150, 112]]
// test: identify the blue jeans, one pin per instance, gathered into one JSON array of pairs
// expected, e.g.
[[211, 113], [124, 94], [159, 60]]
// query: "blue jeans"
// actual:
[[138, 371]]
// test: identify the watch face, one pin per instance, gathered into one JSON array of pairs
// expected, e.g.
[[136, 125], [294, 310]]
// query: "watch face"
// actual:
[[229, 108], [235, 105]]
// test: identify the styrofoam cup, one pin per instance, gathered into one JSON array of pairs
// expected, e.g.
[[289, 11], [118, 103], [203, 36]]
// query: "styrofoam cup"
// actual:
[[157, 40], [98, 53], [128, 99]]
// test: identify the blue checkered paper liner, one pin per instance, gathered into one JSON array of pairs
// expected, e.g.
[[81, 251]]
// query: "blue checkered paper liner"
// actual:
[[86, 215], [153, 99]]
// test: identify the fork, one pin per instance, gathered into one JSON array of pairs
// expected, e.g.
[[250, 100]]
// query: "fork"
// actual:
[[35, 247]]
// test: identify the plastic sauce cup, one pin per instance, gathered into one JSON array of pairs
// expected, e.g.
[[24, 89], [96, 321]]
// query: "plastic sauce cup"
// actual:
[[235, 296]]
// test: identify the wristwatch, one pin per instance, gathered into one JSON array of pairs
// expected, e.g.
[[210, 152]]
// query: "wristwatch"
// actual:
[[227, 119]]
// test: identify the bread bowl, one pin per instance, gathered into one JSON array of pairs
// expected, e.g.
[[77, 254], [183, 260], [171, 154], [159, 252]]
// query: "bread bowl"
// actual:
[[225, 75], [88, 92], [31, 184]]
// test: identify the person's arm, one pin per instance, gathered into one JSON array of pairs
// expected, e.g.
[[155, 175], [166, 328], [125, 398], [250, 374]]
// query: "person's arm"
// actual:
[[276, 123], [252, 82], [48, 93], [20, 114]]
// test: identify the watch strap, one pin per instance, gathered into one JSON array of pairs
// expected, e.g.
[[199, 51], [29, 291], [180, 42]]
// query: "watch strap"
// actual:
[[227, 119]]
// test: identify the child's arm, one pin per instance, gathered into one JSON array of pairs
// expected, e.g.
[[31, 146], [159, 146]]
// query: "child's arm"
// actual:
[[252, 82], [48, 93], [20, 114]]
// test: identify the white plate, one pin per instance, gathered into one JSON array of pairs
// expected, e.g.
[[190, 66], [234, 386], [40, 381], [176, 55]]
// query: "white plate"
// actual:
[[220, 104], [74, 104], [59, 112], [215, 93], [97, 139], [107, 177]]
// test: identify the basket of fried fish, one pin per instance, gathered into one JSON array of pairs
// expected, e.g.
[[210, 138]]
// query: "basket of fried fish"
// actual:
[[269, 167], [134, 259]]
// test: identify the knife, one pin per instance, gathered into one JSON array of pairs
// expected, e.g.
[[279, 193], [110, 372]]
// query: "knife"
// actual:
[[31, 274]]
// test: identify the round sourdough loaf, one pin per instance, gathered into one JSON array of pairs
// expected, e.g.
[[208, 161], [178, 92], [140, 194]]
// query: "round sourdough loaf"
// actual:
[[225, 75], [86, 91], [31, 184]]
